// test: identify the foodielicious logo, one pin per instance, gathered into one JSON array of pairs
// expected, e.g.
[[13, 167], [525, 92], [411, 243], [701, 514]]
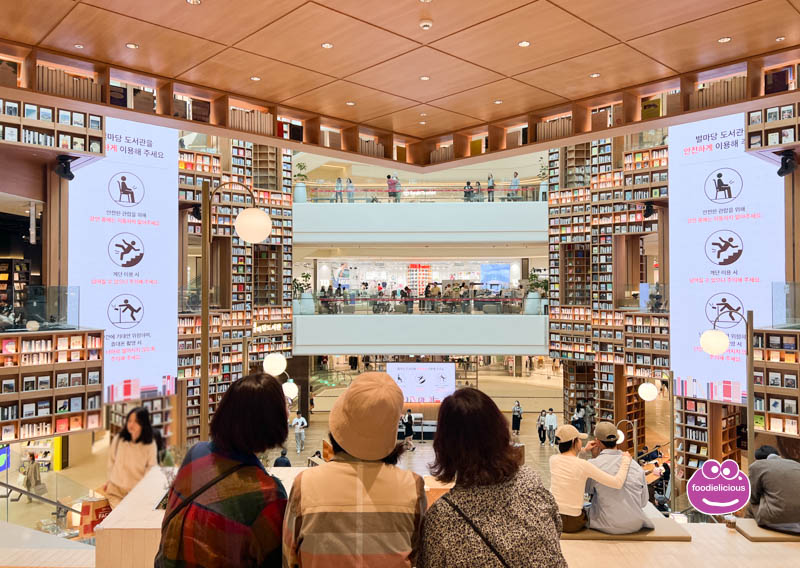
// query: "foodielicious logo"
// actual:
[[718, 488]]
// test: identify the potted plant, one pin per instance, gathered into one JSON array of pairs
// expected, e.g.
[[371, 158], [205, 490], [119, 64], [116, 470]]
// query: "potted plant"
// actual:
[[300, 179], [302, 299], [537, 289]]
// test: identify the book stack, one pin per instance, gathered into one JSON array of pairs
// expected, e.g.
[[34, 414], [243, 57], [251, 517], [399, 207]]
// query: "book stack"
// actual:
[[552, 129], [59, 82], [442, 154], [253, 121], [721, 92], [370, 148]]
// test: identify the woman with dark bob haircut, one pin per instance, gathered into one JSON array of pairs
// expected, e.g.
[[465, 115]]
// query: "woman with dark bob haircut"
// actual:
[[499, 513], [130, 456], [224, 509]]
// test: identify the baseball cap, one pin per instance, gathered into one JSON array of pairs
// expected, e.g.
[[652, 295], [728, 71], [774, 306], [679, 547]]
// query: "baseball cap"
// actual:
[[605, 432], [567, 433]]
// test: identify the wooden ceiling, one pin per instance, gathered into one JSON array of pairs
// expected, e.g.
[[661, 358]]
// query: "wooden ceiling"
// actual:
[[471, 54]]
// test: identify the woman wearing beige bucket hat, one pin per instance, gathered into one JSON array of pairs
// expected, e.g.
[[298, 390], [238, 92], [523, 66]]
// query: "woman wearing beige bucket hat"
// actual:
[[358, 509]]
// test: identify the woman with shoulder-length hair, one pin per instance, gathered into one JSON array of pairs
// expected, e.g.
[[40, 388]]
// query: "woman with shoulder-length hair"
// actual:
[[499, 513], [224, 509], [131, 454]]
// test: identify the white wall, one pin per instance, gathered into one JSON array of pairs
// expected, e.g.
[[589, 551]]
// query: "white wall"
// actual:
[[403, 334], [424, 223]]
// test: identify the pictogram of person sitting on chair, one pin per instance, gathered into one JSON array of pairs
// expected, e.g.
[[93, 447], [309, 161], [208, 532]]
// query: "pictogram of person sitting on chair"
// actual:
[[720, 186], [125, 191]]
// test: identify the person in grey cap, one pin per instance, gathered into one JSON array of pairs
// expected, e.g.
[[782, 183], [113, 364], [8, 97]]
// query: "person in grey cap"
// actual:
[[616, 511]]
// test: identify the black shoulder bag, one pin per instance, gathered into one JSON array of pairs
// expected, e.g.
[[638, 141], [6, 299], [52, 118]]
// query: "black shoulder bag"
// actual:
[[187, 501], [476, 529]]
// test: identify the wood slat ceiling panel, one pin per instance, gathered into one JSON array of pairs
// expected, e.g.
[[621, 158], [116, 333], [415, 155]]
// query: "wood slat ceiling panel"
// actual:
[[104, 35], [437, 121], [403, 17], [619, 66], [628, 19], [753, 28], [401, 75], [231, 71], [554, 35], [517, 97], [222, 21], [28, 21], [297, 37], [331, 99]]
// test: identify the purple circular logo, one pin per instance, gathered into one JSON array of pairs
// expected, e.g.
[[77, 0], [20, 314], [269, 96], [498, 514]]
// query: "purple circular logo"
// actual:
[[718, 488]]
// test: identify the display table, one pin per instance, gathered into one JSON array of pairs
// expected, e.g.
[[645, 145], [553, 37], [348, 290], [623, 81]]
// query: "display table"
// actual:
[[130, 535]]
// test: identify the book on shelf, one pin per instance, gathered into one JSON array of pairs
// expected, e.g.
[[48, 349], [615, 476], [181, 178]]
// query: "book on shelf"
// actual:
[[93, 421], [759, 421], [775, 424], [62, 425], [790, 426], [75, 423]]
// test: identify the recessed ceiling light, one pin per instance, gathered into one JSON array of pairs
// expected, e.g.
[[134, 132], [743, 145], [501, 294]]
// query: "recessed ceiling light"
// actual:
[[725, 39], [350, 103], [594, 75], [255, 78], [78, 46], [426, 24], [422, 122], [780, 38], [423, 114], [327, 45], [193, 2], [524, 43], [426, 1], [424, 78], [132, 45], [498, 102]]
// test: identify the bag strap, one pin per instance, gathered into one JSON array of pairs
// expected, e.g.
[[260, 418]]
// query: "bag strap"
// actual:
[[202, 490], [463, 515]]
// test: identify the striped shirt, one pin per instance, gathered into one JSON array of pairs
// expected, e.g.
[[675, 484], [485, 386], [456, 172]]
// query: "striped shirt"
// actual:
[[236, 522], [351, 513]]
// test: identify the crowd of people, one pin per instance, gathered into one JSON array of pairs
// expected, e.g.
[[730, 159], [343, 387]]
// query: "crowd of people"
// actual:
[[359, 508]]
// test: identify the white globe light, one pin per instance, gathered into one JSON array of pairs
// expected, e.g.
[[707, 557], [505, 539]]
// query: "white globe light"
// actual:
[[274, 364], [714, 341], [648, 392], [290, 389], [253, 225], [32, 325], [620, 436]]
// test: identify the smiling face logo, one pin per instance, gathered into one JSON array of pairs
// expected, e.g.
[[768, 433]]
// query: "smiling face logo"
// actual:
[[718, 489]]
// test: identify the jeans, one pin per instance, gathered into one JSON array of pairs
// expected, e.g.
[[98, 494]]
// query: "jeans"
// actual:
[[491, 195], [542, 434], [351, 196], [338, 197], [551, 435], [300, 440]]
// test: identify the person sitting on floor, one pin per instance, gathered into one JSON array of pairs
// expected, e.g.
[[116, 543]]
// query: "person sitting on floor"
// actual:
[[568, 475], [774, 498], [616, 511]]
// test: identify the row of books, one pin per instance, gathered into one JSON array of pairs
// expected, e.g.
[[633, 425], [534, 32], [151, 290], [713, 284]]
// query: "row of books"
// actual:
[[776, 424], [442, 154], [720, 92], [253, 121], [775, 379], [59, 82], [776, 405], [553, 129]]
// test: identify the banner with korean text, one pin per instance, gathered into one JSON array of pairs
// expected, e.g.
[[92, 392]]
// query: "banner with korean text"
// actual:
[[726, 242], [123, 254]]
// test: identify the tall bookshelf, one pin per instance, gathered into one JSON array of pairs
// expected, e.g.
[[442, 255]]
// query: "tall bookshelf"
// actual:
[[15, 277], [775, 370]]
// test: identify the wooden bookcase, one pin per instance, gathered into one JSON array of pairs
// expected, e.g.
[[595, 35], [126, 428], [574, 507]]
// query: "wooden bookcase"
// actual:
[[15, 277], [50, 383], [579, 387], [775, 371]]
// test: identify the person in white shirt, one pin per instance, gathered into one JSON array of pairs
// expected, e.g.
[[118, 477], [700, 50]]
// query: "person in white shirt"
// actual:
[[550, 424], [300, 424], [514, 187], [569, 473]]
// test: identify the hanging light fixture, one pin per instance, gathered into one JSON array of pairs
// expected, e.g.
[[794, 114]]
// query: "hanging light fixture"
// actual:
[[274, 364], [290, 389], [714, 341], [253, 225], [648, 392]]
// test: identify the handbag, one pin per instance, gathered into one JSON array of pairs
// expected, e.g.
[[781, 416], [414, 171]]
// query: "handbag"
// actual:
[[158, 560], [40, 489], [477, 530]]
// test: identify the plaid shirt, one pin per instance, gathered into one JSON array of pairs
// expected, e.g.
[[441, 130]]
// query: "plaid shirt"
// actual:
[[350, 513], [236, 522]]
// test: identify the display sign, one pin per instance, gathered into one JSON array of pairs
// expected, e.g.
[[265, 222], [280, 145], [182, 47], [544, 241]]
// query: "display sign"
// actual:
[[726, 241], [495, 276], [123, 254], [424, 382]]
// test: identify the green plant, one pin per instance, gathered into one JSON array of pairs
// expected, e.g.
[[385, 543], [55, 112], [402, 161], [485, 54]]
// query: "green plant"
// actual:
[[537, 282], [300, 169], [302, 285]]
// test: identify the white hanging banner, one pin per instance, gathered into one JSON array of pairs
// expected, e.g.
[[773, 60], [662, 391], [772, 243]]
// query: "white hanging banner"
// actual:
[[123, 254], [726, 242]]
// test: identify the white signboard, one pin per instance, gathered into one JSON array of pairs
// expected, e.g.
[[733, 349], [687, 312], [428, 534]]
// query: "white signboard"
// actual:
[[123, 254], [424, 382], [726, 242]]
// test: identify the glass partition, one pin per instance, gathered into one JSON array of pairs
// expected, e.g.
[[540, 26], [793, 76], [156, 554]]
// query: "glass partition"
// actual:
[[785, 305], [645, 297], [325, 192], [189, 299], [42, 308], [380, 304]]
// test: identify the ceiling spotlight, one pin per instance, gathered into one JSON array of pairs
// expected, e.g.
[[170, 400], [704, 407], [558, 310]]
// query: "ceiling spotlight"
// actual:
[[426, 1], [498, 102], [350, 103], [426, 24], [594, 75], [424, 78], [788, 163], [327, 45], [422, 122], [132, 45], [78, 46], [194, 2], [63, 168], [725, 39], [423, 114], [255, 78], [780, 38], [524, 43]]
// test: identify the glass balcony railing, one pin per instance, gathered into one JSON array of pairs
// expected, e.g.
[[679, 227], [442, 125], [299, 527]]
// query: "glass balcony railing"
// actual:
[[189, 299], [40, 308], [645, 297], [785, 305], [477, 304], [417, 193]]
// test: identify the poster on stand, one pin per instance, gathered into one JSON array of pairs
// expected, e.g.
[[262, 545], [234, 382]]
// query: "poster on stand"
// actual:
[[726, 242], [424, 382], [123, 254]]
